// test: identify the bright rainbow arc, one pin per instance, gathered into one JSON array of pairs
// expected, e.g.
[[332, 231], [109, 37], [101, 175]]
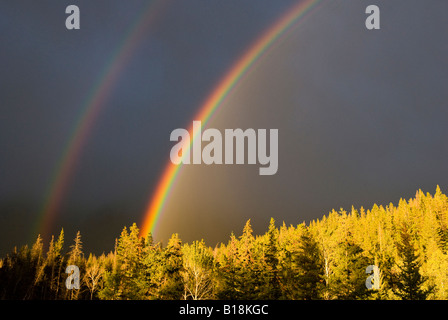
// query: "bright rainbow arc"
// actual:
[[218, 95], [92, 108]]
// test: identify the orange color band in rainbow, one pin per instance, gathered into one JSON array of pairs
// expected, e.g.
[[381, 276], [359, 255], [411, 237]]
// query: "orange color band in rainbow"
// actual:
[[225, 86]]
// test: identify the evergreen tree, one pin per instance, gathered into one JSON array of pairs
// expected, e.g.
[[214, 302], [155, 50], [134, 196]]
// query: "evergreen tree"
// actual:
[[112, 288], [129, 261], [409, 281], [248, 274], [227, 271], [152, 267], [75, 257], [16, 274], [49, 277], [310, 270], [271, 288], [172, 285], [37, 250]]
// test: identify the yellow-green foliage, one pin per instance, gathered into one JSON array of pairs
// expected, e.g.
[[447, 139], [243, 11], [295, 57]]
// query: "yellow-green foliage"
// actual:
[[323, 259]]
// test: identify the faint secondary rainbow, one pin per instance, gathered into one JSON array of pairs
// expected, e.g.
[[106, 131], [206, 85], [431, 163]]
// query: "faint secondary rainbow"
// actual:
[[215, 99], [92, 107]]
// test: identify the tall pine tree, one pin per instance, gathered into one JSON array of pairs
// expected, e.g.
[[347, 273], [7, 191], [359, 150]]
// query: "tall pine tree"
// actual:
[[409, 281]]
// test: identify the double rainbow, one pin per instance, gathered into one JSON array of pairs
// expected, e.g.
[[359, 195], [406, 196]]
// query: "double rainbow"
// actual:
[[91, 109], [215, 99], [96, 101]]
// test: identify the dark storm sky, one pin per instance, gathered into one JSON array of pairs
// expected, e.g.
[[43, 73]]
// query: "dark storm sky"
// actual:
[[339, 92]]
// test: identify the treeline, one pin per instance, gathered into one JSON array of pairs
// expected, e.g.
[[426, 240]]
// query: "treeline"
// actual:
[[326, 259]]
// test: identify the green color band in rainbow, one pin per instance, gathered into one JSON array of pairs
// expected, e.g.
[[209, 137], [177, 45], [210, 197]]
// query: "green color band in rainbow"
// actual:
[[92, 107], [218, 95]]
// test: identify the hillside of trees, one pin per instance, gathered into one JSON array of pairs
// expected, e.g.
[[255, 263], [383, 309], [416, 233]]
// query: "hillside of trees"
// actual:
[[326, 259]]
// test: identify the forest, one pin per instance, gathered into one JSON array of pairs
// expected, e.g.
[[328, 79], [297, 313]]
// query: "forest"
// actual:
[[325, 259]]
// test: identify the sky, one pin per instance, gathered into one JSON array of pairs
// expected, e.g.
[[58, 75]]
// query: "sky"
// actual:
[[361, 113]]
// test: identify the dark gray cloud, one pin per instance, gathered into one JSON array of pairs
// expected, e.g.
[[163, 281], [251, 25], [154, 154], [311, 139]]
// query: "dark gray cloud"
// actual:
[[360, 113], [360, 116]]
